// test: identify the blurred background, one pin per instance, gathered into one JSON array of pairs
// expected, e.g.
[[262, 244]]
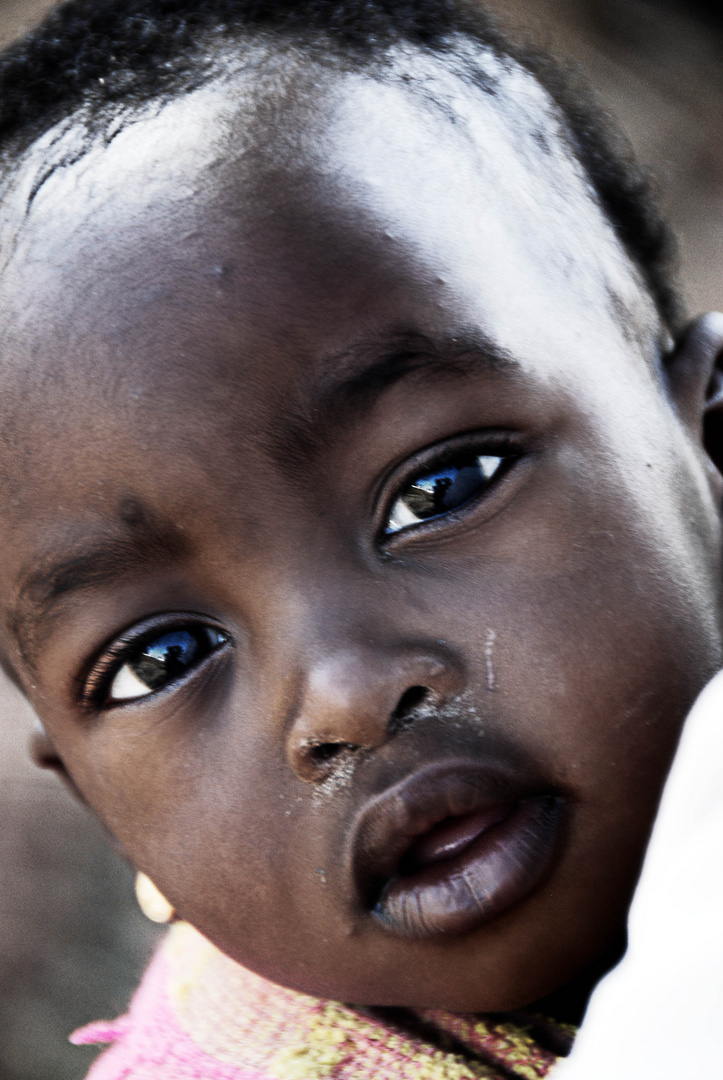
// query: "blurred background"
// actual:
[[72, 942]]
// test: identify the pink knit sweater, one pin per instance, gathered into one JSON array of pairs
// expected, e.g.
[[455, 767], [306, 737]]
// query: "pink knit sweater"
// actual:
[[199, 1016]]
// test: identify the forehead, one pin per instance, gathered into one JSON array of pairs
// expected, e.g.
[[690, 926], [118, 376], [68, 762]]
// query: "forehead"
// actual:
[[456, 180], [249, 231]]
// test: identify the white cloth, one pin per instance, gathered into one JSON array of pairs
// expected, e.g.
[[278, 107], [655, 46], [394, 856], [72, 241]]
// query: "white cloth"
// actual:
[[659, 1014]]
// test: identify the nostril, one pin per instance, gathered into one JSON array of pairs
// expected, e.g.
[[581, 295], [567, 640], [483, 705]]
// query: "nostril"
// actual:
[[323, 753], [410, 700]]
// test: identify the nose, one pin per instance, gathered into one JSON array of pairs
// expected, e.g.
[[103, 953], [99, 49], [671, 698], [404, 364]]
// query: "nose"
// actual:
[[356, 699]]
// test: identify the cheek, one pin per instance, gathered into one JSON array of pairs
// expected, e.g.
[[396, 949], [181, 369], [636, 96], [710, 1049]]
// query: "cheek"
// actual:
[[583, 644], [194, 796], [598, 682], [204, 802]]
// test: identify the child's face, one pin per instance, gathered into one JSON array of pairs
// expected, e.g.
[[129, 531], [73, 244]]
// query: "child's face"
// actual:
[[342, 426]]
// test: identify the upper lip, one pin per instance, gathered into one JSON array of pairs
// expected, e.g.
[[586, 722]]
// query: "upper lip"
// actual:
[[390, 824]]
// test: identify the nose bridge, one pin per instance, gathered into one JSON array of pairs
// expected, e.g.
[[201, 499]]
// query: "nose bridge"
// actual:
[[361, 658]]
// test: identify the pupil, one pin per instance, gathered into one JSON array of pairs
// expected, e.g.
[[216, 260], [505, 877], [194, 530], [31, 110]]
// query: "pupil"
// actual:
[[444, 489], [166, 657]]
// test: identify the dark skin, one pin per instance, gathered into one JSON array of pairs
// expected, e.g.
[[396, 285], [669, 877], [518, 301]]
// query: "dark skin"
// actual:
[[245, 335]]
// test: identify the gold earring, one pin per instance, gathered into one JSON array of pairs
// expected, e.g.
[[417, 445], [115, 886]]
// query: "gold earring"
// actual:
[[152, 903]]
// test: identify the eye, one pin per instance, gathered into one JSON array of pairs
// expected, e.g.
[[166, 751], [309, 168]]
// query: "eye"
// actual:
[[156, 662], [443, 489]]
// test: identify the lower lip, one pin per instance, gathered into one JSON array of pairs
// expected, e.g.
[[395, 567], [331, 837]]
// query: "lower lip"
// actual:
[[497, 869]]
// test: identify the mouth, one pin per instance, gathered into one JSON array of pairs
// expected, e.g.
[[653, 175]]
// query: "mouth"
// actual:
[[450, 848]]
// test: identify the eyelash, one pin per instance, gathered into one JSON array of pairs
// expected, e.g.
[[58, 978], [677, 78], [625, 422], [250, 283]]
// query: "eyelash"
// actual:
[[504, 446], [97, 684]]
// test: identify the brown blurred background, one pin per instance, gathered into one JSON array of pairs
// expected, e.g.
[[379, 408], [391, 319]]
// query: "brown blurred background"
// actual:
[[72, 943]]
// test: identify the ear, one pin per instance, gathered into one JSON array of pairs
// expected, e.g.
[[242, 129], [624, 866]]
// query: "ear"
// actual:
[[695, 376], [43, 752]]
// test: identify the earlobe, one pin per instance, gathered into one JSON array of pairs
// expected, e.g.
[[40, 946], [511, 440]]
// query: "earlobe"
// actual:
[[152, 902], [695, 376]]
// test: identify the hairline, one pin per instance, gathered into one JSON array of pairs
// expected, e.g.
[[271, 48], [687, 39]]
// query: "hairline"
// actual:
[[459, 53]]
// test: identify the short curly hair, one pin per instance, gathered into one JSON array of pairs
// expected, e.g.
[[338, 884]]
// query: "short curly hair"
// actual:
[[106, 56]]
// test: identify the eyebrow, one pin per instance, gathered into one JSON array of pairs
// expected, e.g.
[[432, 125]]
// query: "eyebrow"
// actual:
[[348, 383], [137, 540]]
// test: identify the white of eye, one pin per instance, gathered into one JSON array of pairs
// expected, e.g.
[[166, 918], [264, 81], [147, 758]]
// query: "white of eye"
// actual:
[[127, 685], [489, 465], [401, 516]]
